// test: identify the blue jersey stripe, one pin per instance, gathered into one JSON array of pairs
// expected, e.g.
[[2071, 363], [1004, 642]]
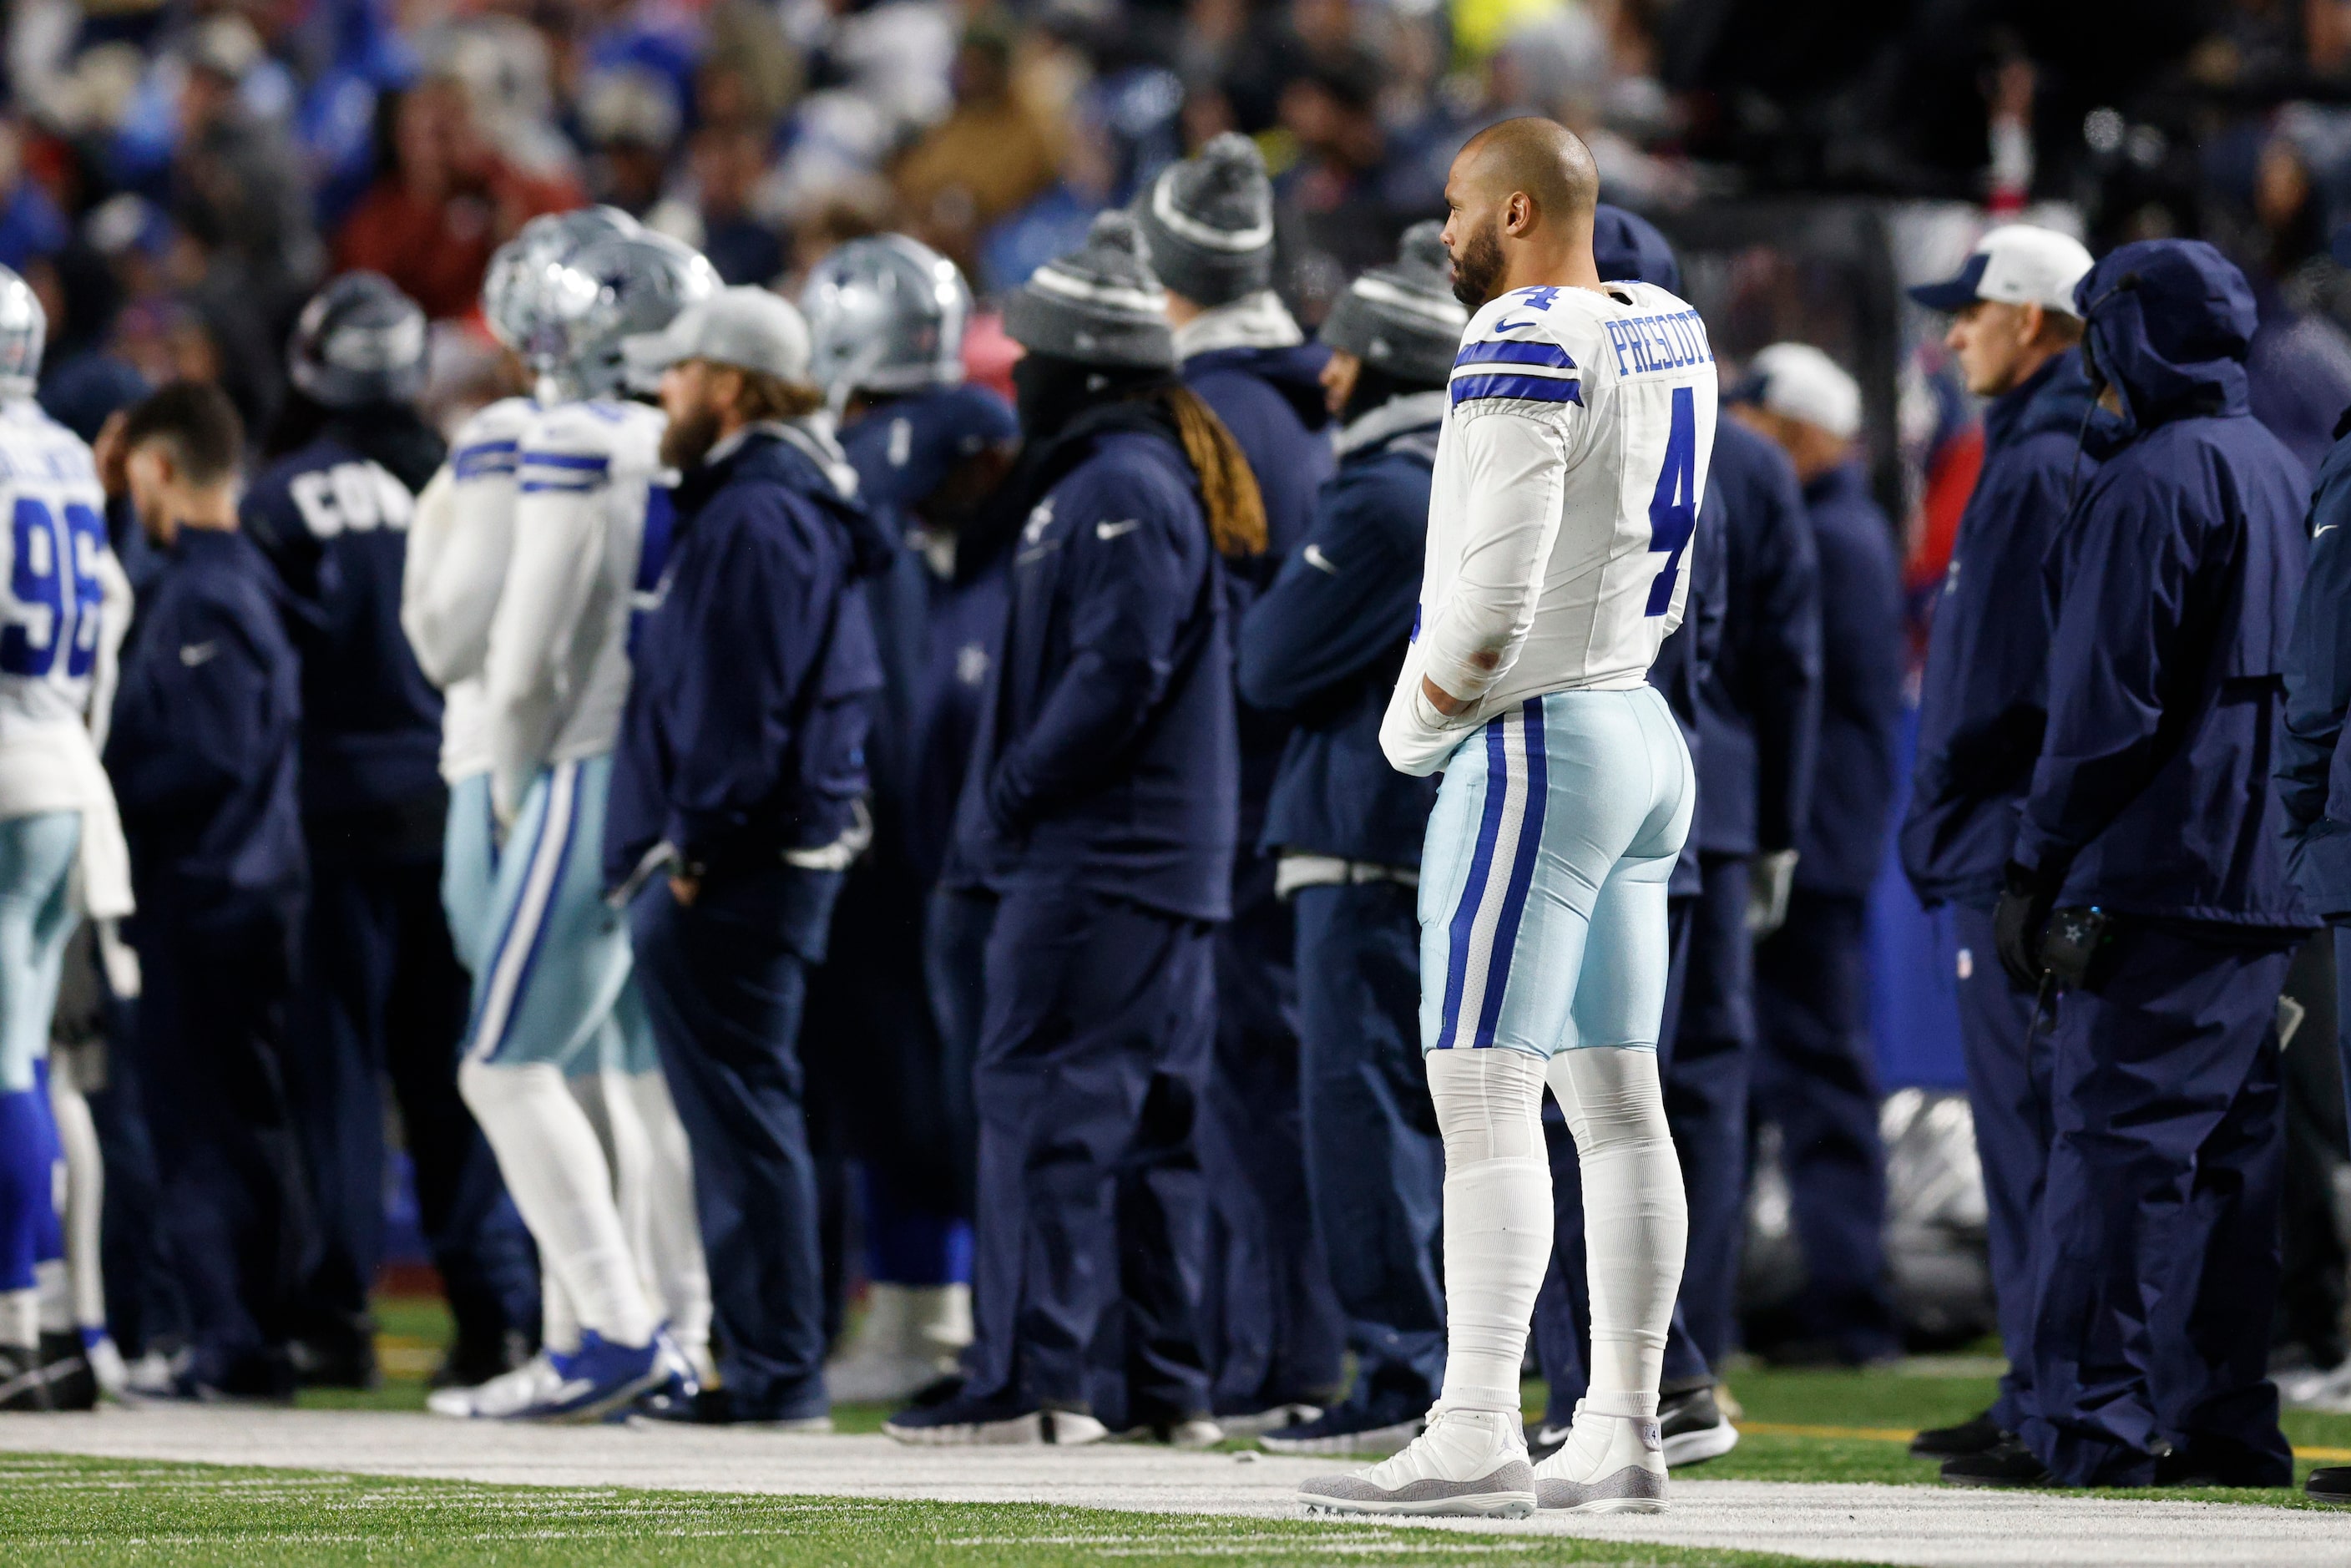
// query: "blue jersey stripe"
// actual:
[[1549, 355], [484, 457], [587, 462], [533, 487], [1532, 389]]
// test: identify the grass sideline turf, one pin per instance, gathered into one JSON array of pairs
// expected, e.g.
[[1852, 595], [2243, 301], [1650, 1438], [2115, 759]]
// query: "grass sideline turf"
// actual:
[[79, 1512], [1828, 1408]]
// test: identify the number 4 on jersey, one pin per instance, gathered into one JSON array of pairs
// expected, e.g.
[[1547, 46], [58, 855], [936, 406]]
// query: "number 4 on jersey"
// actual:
[[1673, 510]]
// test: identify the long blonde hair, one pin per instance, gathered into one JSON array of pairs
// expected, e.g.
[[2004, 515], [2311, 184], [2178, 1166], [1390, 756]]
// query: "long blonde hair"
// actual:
[[1236, 506]]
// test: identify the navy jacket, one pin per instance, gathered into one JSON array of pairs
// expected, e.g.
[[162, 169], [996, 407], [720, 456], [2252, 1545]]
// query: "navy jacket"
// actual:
[[1106, 754], [1758, 717], [1688, 657], [2314, 769], [1980, 702], [1325, 643], [936, 624], [746, 728], [2171, 593], [332, 517], [1862, 661], [1271, 400], [205, 751]]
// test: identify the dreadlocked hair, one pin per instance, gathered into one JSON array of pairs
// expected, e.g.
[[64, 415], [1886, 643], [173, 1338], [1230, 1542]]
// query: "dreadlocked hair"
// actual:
[[1236, 506]]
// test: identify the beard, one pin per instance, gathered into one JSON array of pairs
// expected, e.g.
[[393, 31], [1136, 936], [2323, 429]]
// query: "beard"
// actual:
[[687, 441], [1478, 270]]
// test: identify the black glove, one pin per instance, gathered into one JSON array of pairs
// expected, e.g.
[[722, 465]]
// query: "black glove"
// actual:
[[2020, 918]]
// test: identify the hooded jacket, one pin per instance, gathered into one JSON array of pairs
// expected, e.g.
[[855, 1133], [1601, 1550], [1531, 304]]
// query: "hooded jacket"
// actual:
[[1980, 702], [1760, 704], [2314, 769], [1105, 754], [1862, 661], [2171, 591], [754, 670]]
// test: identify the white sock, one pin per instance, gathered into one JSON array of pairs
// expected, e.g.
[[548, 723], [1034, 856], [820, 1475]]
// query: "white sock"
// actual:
[[85, 1198], [555, 1168], [54, 1293], [1497, 1218], [663, 1223], [558, 1325], [20, 1319], [1636, 1218]]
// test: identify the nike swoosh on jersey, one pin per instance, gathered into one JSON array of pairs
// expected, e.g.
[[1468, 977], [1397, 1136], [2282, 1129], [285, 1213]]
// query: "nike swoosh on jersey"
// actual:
[[2323, 528], [1114, 531], [194, 653], [1319, 561]]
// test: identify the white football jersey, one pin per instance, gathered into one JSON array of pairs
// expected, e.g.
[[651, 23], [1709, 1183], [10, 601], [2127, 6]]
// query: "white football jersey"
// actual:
[[458, 544], [1578, 427], [592, 530], [54, 564]]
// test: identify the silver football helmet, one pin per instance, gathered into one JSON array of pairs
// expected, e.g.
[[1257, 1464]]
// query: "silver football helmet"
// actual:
[[24, 332], [607, 291], [887, 314], [511, 287]]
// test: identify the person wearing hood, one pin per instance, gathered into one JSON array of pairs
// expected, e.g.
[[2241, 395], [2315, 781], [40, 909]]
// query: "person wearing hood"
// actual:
[[886, 315], [1272, 1327], [380, 993], [1100, 812], [2147, 891], [2015, 334], [1815, 1074], [1325, 643], [737, 801], [1691, 1427]]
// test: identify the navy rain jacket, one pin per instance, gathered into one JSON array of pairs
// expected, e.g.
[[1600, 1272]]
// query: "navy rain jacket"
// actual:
[[2313, 770], [205, 751], [1105, 757], [1760, 710], [1325, 643], [1862, 664], [1979, 701], [334, 518], [2171, 593], [745, 733]]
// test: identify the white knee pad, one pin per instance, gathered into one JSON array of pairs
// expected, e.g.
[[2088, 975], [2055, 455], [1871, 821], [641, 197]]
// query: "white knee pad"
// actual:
[[1497, 1219], [1636, 1218]]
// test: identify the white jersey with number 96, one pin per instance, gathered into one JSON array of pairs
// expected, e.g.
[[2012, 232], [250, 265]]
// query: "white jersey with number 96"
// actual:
[[55, 567]]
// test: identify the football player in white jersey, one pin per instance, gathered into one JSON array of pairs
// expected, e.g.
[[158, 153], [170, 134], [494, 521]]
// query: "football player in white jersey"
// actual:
[[1580, 418], [64, 604], [589, 533]]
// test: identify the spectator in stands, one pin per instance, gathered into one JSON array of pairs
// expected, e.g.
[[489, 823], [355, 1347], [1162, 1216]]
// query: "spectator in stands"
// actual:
[[727, 162], [991, 153]]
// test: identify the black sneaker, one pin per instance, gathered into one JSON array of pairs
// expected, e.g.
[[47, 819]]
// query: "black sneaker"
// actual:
[[24, 1384], [2330, 1484], [1977, 1434], [1694, 1428], [72, 1384], [2008, 1464]]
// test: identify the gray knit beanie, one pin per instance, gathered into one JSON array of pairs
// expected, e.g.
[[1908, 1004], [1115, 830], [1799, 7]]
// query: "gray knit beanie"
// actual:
[[1099, 304], [1403, 318], [1209, 221]]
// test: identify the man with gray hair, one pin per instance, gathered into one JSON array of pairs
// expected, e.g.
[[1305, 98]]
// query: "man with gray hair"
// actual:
[[737, 801]]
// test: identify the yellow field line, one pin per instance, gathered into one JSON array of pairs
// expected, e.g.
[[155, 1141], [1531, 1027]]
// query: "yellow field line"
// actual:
[[1897, 1434]]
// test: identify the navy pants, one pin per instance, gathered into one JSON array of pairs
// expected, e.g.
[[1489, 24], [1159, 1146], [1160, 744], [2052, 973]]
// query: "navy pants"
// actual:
[[145, 1308], [1562, 1321], [955, 977], [1091, 1219], [1374, 1160], [723, 980], [2008, 1095], [216, 973], [2157, 1254], [1816, 1079], [1707, 1075], [1270, 1324], [382, 995]]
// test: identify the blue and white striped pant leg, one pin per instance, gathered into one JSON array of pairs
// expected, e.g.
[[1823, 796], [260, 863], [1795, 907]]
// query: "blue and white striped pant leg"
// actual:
[[1545, 876], [469, 869], [37, 859], [557, 955]]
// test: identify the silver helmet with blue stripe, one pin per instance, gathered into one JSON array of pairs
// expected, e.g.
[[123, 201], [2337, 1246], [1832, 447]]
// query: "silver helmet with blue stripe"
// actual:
[[360, 342], [24, 333], [885, 314], [513, 287], [607, 291]]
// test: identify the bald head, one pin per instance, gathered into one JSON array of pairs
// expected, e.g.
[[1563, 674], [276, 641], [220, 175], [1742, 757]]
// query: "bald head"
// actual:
[[1521, 195]]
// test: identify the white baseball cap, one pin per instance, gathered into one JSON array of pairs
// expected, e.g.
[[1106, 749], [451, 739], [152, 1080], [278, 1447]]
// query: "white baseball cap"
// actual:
[[750, 328], [2016, 264], [1800, 382]]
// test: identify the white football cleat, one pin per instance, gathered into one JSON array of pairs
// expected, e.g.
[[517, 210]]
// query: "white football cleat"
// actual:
[[1609, 1464], [1464, 1462]]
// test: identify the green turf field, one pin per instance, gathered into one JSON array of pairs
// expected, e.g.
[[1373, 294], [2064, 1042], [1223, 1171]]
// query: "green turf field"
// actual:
[[83, 1513]]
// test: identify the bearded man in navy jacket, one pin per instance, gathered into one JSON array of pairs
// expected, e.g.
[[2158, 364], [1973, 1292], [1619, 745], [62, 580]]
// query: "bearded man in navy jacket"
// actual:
[[1273, 1328]]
